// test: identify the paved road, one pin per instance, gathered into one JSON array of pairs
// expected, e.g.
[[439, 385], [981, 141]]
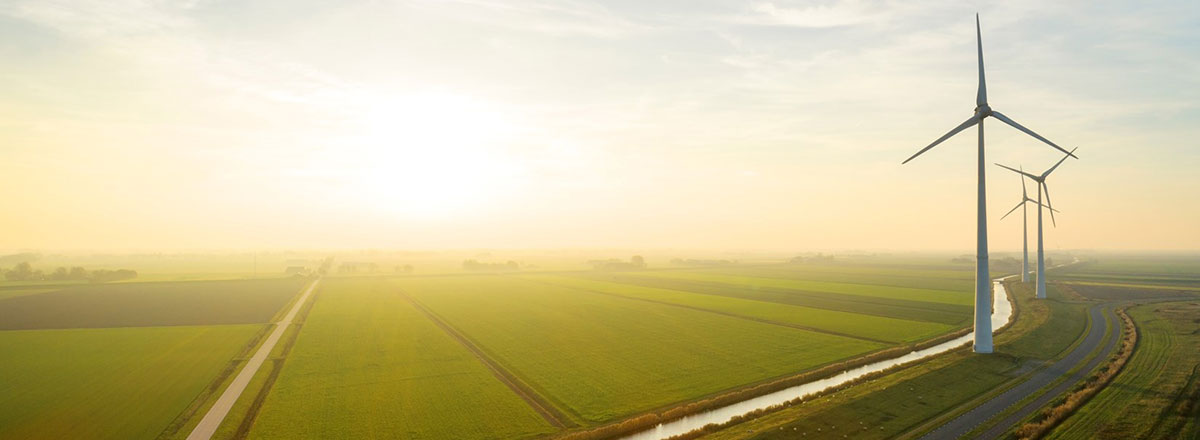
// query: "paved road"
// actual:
[[208, 425], [987, 410]]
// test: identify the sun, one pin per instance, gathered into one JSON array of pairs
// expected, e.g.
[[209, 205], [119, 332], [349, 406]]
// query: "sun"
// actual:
[[430, 155]]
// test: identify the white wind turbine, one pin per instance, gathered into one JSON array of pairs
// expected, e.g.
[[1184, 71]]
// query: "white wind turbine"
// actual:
[[1024, 228], [983, 288], [1041, 182]]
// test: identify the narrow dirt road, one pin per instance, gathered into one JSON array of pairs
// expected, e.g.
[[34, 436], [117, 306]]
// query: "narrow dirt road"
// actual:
[[212, 419]]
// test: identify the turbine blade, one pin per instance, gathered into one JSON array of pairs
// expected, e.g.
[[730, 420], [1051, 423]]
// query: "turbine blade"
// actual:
[[981, 97], [1060, 161], [1027, 131], [1049, 205], [1014, 209], [972, 121], [1035, 178], [1023, 190]]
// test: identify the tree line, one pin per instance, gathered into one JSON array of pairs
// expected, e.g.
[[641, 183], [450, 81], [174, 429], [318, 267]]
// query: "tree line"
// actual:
[[24, 271]]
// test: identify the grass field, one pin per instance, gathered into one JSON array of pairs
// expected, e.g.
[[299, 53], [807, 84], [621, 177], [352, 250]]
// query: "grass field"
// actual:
[[852, 324], [894, 404], [150, 304], [786, 292], [120, 383], [940, 278], [600, 357], [1179, 271], [1157, 394], [368, 364], [15, 292]]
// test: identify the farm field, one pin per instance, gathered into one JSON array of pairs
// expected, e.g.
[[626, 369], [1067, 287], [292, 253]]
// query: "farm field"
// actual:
[[589, 348], [1162, 271], [126, 383], [871, 290], [788, 292], [605, 357], [1157, 394], [954, 280], [15, 292], [149, 304], [369, 364], [844, 323]]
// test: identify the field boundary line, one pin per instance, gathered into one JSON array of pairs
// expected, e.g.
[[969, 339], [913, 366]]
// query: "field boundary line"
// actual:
[[217, 413], [728, 314], [520, 388]]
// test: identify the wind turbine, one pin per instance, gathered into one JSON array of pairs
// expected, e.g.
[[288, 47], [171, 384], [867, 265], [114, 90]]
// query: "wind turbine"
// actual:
[[1024, 228], [1041, 182], [983, 288]]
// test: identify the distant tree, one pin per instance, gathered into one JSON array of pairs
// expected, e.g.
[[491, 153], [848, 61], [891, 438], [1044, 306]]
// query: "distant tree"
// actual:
[[638, 261], [78, 273], [408, 268], [23, 271], [60, 274], [512, 265]]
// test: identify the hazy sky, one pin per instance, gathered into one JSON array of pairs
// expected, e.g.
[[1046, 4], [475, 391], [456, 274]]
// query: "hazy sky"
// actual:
[[135, 124]]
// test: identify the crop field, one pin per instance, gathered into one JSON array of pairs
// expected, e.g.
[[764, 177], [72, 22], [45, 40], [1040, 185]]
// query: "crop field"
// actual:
[[369, 364], [960, 279], [410, 356], [1171, 271], [126, 383], [149, 304], [600, 357], [831, 321], [953, 308], [1157, 394], [15, 292]]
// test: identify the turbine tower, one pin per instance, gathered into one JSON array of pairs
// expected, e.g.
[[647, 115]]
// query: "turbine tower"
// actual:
[[1041, 182], [983, 288], [1024, 229]]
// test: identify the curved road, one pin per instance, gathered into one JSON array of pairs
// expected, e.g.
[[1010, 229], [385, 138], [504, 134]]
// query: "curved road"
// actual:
[[986, 411]]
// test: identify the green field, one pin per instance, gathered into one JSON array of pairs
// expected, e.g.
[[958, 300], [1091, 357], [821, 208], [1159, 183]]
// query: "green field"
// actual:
[[15, 292], [786, 292], [959, 280], [1177, 271], [851, 324], [1157, 394], [150, 304], [368, 364], [599, 357], [120, 383]]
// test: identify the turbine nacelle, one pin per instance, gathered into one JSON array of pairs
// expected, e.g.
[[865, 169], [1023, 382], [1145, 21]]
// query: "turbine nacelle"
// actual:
[[983, 111]]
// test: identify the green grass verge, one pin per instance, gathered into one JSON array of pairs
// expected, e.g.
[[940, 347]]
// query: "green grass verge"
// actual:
[[1155, 395]]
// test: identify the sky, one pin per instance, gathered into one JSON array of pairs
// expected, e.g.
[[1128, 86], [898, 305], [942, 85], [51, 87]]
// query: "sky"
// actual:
[[413, 124]]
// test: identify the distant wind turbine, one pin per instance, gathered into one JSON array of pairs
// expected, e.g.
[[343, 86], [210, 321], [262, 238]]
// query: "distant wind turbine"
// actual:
[[983, 288], [1041, 182], [1024, 229]]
